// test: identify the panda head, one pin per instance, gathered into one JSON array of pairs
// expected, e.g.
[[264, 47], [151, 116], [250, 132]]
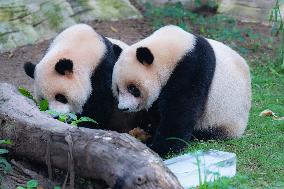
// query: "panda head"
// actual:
[[63, 76], [144, 68], [135, 82], [60, 84]]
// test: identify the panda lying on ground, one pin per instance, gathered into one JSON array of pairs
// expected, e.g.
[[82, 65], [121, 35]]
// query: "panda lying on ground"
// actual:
[[192, 86], [75, 76]]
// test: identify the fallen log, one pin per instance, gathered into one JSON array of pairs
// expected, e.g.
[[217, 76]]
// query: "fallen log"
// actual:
[[119, 160]]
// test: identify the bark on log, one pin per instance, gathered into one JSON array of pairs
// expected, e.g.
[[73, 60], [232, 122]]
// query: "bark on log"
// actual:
[[118, 159]]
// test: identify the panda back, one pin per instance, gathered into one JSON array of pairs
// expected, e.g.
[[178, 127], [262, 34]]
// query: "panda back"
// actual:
[[229, 99]]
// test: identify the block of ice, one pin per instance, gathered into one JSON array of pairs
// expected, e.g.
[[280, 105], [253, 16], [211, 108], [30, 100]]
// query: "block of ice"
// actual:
[[207, 165]]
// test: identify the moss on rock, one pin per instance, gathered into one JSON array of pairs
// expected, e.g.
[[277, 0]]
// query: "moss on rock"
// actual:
[[115, 10]]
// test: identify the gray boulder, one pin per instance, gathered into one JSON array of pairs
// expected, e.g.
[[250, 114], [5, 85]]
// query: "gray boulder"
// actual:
[[256, 11]]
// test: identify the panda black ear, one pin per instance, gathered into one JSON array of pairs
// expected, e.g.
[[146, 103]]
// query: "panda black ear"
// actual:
[[117, 50], [63, 66], [29, 69], [144, 55]]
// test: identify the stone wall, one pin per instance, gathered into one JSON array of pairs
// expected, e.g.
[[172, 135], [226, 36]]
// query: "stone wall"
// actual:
[[27, 21]]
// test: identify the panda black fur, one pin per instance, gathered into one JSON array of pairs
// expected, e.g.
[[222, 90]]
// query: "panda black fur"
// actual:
[[76, 72], [191, 87], [117, 46]]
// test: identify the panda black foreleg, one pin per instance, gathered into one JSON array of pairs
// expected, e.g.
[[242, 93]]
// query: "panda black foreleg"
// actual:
[[181, 104], [176, 125]]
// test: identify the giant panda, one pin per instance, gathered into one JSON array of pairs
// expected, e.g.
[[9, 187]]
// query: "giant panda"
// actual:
[[75, 75], [193, 86]]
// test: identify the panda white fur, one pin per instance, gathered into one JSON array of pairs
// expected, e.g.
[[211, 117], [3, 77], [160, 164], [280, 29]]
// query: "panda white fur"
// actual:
[[195, 87], [76, 72]]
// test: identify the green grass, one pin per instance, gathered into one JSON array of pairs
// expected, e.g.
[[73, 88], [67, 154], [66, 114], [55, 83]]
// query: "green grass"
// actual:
[[260, 151]]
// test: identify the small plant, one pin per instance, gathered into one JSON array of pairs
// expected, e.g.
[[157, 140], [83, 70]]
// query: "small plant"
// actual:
[[4, 164], [209, 3], [203, 183], [278, 29], [176, 12], [42, 105], [70, 118], [26, 93], [33, 184]]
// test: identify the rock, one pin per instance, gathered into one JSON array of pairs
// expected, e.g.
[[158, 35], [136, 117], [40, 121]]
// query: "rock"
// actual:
[[25, 21], [103, 10], [212, 164], [256, 11]]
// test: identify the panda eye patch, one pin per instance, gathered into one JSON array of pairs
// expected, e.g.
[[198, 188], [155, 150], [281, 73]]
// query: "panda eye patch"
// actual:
[[132, 89], [61, 98]]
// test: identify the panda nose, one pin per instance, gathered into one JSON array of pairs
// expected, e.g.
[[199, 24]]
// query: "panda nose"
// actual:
[[125, 109]]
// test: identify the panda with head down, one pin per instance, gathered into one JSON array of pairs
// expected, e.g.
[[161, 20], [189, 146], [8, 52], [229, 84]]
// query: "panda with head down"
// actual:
[[194, 87], [75, 75]]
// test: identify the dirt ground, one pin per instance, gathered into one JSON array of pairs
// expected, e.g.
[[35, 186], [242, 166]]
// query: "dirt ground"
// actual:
[[11, 63]]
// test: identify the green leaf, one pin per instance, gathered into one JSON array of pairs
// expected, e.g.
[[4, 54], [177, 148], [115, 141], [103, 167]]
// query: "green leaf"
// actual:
[[32, 184], [8, 142], [72, 116], [74, 123], [83, 119], [43, 105], [53, 113], [5, 165], [197, 3], [3, 151], [57, 187], [26, 93], [62, 117], [20, 187], [87, 119]]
